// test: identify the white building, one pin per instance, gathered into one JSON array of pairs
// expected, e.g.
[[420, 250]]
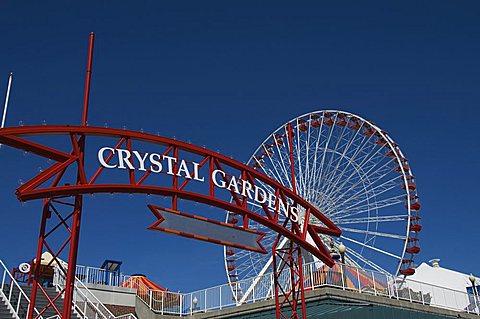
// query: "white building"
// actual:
[[446, 288]]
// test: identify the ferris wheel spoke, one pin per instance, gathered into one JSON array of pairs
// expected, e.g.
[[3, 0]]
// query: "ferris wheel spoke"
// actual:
[[303, 166], [275, 173], [367, 261], [373, 233], [356, 169], [342, 157], [283, 168], [319, 177], [368, 157], [271, 174], [248, 270], [360, 184], [306, 190], [338, 219], [352, 187], [371, 247], [334, 151], [367, 208], [319, 153], [355, 209], [383, 189], [289, 163], [359, 148], [302, 151], [297, 175], [373, 219], [317, 144]]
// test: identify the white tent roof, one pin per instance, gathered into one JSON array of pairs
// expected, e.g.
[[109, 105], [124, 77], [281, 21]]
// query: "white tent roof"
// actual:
[[442, 277]]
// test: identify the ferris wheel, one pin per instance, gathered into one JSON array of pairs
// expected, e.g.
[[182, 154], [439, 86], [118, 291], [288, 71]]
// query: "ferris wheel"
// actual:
[[356, 175]]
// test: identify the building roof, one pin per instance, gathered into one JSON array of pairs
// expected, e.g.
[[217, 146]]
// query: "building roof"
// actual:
[[439, 276]]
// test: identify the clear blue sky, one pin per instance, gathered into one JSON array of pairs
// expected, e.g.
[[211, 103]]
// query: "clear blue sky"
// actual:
[[225, 75]]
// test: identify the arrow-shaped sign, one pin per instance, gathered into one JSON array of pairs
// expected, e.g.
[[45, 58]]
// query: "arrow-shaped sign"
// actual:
[[201, 228]]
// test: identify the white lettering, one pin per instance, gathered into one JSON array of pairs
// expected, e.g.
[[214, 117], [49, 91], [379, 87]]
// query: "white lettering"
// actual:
[[154, 162], [170, 160], [195, 173], [284, 210], [183, 169], [141, 160], [247, 188], [260, 195], [294, 214], [101, 159], [271, 200], [233, 184], [123, 158], [214, 178], [156, 166]]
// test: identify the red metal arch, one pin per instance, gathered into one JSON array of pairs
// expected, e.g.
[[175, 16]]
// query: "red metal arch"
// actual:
[[35, 189], [62, 205]]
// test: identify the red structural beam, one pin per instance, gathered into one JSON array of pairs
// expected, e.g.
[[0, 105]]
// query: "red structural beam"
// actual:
[[32, 190]]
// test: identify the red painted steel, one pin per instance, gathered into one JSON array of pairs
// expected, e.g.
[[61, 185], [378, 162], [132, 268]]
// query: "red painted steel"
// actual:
[[34, 188], [86, 97], [58, 169], [56, 202], [289, 258], [157, 211]]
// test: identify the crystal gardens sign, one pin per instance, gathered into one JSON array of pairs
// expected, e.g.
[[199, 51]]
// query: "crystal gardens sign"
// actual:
[[164, 164]]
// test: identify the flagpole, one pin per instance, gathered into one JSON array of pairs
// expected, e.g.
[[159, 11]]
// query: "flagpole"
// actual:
[[6, 100]]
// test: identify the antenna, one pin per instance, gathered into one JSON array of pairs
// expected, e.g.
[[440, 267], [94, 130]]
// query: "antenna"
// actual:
[[7, 96], [6, 100]]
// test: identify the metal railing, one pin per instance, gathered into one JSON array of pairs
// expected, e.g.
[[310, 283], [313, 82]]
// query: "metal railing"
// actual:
[[315, 276], [13, 295], [85, 303], [96, 276]]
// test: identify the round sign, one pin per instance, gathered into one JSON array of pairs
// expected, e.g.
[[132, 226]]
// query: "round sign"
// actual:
[[24, 268]]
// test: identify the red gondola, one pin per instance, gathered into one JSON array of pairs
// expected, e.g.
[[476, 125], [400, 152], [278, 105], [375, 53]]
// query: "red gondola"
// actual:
[[303, 127], [416, 227], [407, 272]]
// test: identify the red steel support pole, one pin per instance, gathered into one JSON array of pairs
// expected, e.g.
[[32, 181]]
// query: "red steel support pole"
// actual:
[[37, 265], [292, 165], [275, 279], [302, 286], [72, 259], [77, 215], [86, 96], [293, 255]]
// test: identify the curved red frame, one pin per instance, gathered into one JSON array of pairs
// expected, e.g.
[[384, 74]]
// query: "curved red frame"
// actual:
[[31, 190]]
